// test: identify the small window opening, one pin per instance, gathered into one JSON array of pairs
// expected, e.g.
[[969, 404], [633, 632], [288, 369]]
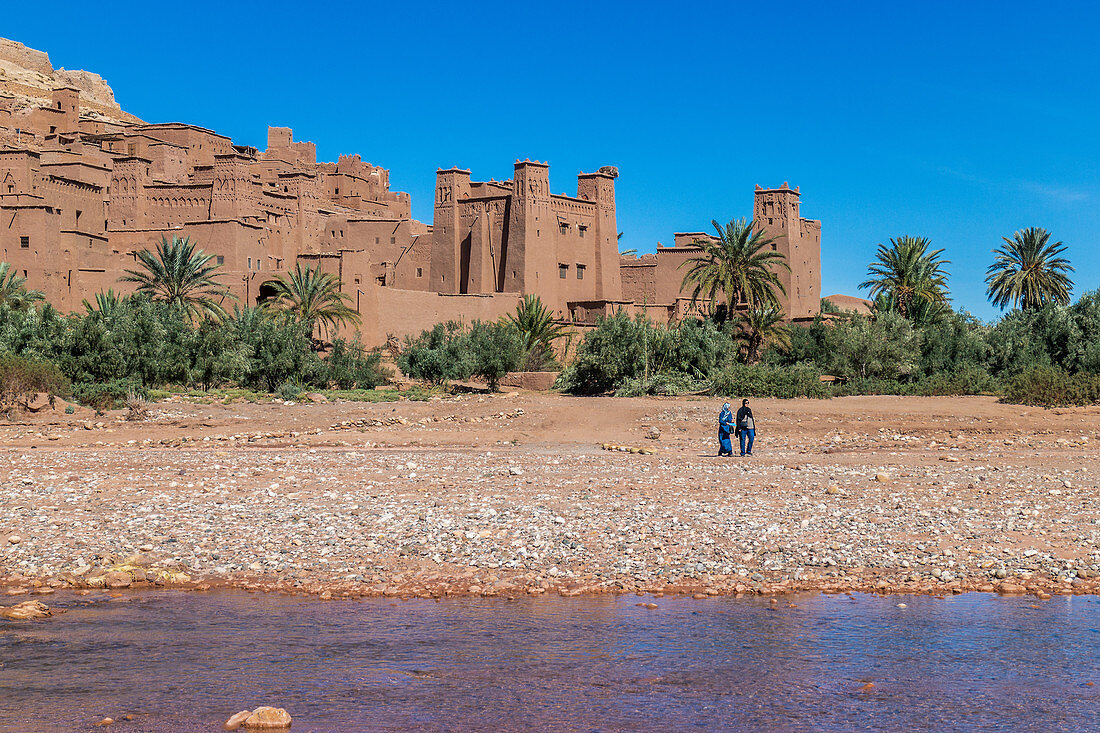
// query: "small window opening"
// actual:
[[563, 271]]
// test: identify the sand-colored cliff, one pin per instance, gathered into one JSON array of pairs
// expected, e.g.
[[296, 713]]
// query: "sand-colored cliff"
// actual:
[[28, 76]]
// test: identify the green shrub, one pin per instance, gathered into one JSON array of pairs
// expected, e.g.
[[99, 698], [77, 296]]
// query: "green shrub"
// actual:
[[348, 366], [22, 378], [661, 384], [437, 356], [494, 349], [763, 380], [964, 380], [290, 390], [622, 350], [110, 395], [1046, 386]]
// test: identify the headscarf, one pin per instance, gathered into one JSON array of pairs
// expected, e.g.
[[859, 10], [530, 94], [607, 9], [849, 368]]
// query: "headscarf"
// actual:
[[726, 406]]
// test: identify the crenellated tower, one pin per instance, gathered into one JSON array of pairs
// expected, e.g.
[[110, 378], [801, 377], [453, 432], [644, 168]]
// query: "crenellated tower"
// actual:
[[776, 212]]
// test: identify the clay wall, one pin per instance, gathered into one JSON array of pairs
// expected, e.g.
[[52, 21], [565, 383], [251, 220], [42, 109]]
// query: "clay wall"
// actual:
[[389, 311]]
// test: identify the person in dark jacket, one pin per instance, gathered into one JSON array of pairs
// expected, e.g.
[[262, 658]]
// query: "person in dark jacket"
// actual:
[[725, 427], [746, 428]]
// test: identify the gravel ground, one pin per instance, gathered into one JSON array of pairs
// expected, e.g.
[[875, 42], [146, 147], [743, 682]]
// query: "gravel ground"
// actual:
[[518, 494]]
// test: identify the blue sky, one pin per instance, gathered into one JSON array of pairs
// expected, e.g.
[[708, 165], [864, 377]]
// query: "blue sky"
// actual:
[[961, 122]]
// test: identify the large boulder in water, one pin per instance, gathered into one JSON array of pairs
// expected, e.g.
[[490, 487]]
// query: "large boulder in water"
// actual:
[[268, 718]]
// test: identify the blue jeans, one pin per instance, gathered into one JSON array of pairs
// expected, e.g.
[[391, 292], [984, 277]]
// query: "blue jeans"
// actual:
[[749, 435]]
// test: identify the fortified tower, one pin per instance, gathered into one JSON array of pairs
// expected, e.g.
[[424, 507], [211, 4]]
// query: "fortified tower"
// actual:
[[600, 187], [775, 212], [529, 234], [451, 186]]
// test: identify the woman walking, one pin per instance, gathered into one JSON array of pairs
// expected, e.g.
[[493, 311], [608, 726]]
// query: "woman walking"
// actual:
[[725, 426], [746, 428]]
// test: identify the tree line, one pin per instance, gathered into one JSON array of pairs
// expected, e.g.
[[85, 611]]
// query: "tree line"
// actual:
[[181, 326], [1045, 350]]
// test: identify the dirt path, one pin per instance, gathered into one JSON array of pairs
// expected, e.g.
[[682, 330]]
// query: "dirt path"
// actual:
[[514, 494]]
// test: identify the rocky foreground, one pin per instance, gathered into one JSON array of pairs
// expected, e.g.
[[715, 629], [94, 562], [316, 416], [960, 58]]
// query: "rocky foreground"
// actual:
[[517, 494]]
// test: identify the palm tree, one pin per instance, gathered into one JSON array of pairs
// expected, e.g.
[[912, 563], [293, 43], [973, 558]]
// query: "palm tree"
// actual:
[[106, 303], [13, 290], [182, 276], [1029, 271], [907, 277], [313, 297], [739, 266], [538, 328], [761, 326]]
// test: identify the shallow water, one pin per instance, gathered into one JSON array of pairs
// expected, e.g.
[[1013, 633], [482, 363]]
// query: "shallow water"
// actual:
[[186, 662]]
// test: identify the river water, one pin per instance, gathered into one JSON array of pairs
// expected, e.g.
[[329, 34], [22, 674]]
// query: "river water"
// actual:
[[186, 662]]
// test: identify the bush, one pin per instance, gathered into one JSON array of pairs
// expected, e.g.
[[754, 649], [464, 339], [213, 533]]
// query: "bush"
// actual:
[[494, 349], [110, 395], [137, 407], [661, 384], [1046, 386], [964, 380], [348, 366], [762, 380], [437, 356], [289, 391], [22, 378], [625, 352]]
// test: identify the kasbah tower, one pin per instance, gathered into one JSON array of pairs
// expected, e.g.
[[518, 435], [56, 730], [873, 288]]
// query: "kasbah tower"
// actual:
[[84, 186]]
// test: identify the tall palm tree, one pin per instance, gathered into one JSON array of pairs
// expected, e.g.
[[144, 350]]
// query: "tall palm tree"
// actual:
[[538, 328], [106, 303], [178, 274], [1029, 271], [313, 297], [740, 266], [908, 276], [761, 326], [13, 290]]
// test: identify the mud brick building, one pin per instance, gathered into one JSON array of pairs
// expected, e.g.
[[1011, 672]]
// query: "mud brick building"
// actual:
[[84, 186]]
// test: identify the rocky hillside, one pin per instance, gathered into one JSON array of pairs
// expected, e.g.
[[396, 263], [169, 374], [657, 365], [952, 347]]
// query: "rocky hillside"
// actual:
[[27, 75]]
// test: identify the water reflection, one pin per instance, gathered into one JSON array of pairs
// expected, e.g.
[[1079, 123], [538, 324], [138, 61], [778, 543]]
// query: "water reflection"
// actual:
[[187, 661]]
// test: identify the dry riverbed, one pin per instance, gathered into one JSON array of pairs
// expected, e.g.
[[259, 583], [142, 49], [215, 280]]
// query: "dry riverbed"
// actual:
[[514, 494]]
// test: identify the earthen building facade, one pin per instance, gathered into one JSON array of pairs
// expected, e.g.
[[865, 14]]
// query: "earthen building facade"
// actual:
[[84, 187]]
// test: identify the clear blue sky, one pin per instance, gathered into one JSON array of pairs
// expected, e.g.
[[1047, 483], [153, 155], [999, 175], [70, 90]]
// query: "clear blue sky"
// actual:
[[961, 122]]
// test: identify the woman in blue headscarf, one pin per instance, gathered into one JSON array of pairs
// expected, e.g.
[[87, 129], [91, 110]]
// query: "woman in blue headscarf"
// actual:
[[725, 427]]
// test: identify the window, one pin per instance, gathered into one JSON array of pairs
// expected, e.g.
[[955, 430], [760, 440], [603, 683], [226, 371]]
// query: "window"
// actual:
[[581, 229], [580, 272], [420, 272], [393, 240], [24, 242], [78, 213], [249, 263], [377, 240], [338, 192], [563, 227], [563, 271]]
